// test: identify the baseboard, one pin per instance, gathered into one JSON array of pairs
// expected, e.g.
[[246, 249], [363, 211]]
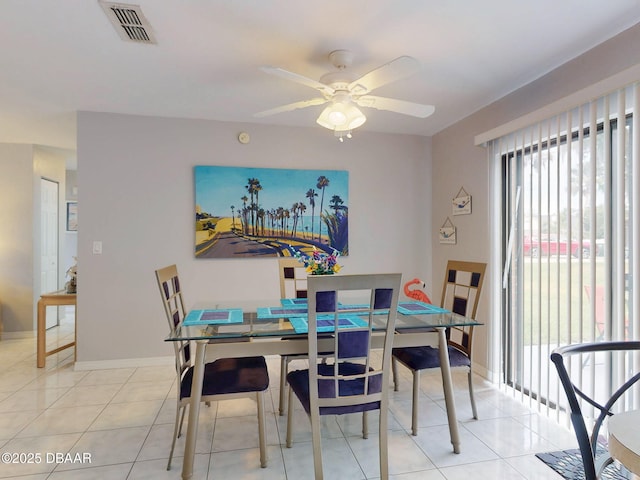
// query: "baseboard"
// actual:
[[124, 363], [492, 377], [18, 335]]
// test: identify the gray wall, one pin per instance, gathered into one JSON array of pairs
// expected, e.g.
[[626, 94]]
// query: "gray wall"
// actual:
[[16, 239], [135, 177], [21, 168]]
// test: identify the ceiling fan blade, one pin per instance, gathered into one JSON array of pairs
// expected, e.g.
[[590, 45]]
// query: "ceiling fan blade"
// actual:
[[397, 69], [294, 77], [291, 106], [398, 106]]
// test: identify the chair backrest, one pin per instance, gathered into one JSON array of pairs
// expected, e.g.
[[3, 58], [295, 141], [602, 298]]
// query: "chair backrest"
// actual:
[[362, 379], [618, 357], [460, 294], [173, 302], [293, 278]]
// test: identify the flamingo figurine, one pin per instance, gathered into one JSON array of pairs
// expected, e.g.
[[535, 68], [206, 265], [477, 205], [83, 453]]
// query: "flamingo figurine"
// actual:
[[416, 294]]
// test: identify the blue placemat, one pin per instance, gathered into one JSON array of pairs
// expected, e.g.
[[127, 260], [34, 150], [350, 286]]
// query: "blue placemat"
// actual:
[[419, 308], [213, 317], [296, 310], [288, 302], [279, 312], [326, 323]]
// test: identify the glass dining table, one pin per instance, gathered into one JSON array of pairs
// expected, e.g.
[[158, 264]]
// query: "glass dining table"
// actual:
[[251, 328]]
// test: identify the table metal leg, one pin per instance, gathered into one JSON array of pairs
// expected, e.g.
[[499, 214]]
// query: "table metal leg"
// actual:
[[194, 411], [447, 385]]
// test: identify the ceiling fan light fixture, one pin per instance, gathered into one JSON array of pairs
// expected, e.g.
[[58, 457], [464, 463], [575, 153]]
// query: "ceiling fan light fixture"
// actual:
[[333, 116], [355, 117], [337, 117], [341, 118]]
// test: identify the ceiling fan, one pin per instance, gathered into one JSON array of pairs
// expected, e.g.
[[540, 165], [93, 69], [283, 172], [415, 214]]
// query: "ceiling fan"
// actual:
[[344, 93]]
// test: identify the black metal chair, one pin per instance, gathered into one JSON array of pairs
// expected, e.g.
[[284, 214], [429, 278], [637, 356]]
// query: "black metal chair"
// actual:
[[620, 356]]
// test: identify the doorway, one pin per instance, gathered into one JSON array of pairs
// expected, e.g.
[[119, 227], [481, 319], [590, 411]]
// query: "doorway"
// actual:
[[49, 221]]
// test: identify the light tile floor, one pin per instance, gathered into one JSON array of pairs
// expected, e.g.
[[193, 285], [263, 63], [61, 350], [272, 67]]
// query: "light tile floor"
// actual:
[[123, 419]]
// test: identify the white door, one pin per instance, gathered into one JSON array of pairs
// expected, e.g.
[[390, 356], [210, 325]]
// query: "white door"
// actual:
[[49, 243]]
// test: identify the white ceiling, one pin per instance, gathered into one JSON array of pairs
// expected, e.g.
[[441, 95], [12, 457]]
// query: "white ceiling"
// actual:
[[58, 57]]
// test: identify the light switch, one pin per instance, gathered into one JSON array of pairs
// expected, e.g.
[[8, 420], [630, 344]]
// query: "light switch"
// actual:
[[97, 247]]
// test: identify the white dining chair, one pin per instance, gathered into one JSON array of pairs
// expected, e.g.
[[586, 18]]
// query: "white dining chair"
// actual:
[[350, 380], [460, 294], [224, 379]]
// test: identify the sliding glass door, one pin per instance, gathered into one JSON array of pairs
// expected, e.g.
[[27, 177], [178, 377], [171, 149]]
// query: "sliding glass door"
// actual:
[[570, 202]]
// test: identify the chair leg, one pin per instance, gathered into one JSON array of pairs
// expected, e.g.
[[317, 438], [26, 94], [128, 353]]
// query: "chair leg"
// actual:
[[365, 426], [261, 429], [316, 440], [184, 410], [414, 403], [471, 396], [284, 366], [176, 431], [383, 446], [394, 371], [290, 419]]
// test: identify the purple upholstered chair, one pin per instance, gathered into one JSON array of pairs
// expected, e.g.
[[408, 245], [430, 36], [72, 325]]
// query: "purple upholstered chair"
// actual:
[[351, 380], [460, 294], [224, 379]]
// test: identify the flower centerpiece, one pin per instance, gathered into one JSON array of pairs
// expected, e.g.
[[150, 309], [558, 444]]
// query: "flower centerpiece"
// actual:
[[319, 263]]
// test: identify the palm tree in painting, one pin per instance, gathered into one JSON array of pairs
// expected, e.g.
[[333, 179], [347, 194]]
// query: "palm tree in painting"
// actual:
[[249, 187], [233, 218], [287, 215], [261, 214], [301, 209], [311, 194], [270, 216], [244, 199], [253, 187], [336, 203], [274, 221], [323, 182], [280, 219], [257, 188], [294, 212]]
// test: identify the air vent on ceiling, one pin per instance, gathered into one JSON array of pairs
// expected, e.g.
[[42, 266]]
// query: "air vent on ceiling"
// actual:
[[129, 21]]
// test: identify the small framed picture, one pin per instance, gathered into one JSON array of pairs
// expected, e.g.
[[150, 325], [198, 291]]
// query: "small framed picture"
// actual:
[[72, 216], [461, 203], [447, 233]]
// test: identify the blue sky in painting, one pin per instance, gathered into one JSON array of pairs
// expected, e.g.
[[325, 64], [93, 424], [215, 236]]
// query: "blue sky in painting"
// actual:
[[217, 188]]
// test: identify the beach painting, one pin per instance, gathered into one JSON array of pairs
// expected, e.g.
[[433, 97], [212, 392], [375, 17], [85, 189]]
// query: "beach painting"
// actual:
[[245, 212]]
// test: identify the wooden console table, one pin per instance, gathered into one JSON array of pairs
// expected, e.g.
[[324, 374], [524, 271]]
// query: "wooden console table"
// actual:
[[51, 299]]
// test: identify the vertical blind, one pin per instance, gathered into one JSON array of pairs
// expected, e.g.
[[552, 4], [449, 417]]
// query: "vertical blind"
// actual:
[[569, 243]]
